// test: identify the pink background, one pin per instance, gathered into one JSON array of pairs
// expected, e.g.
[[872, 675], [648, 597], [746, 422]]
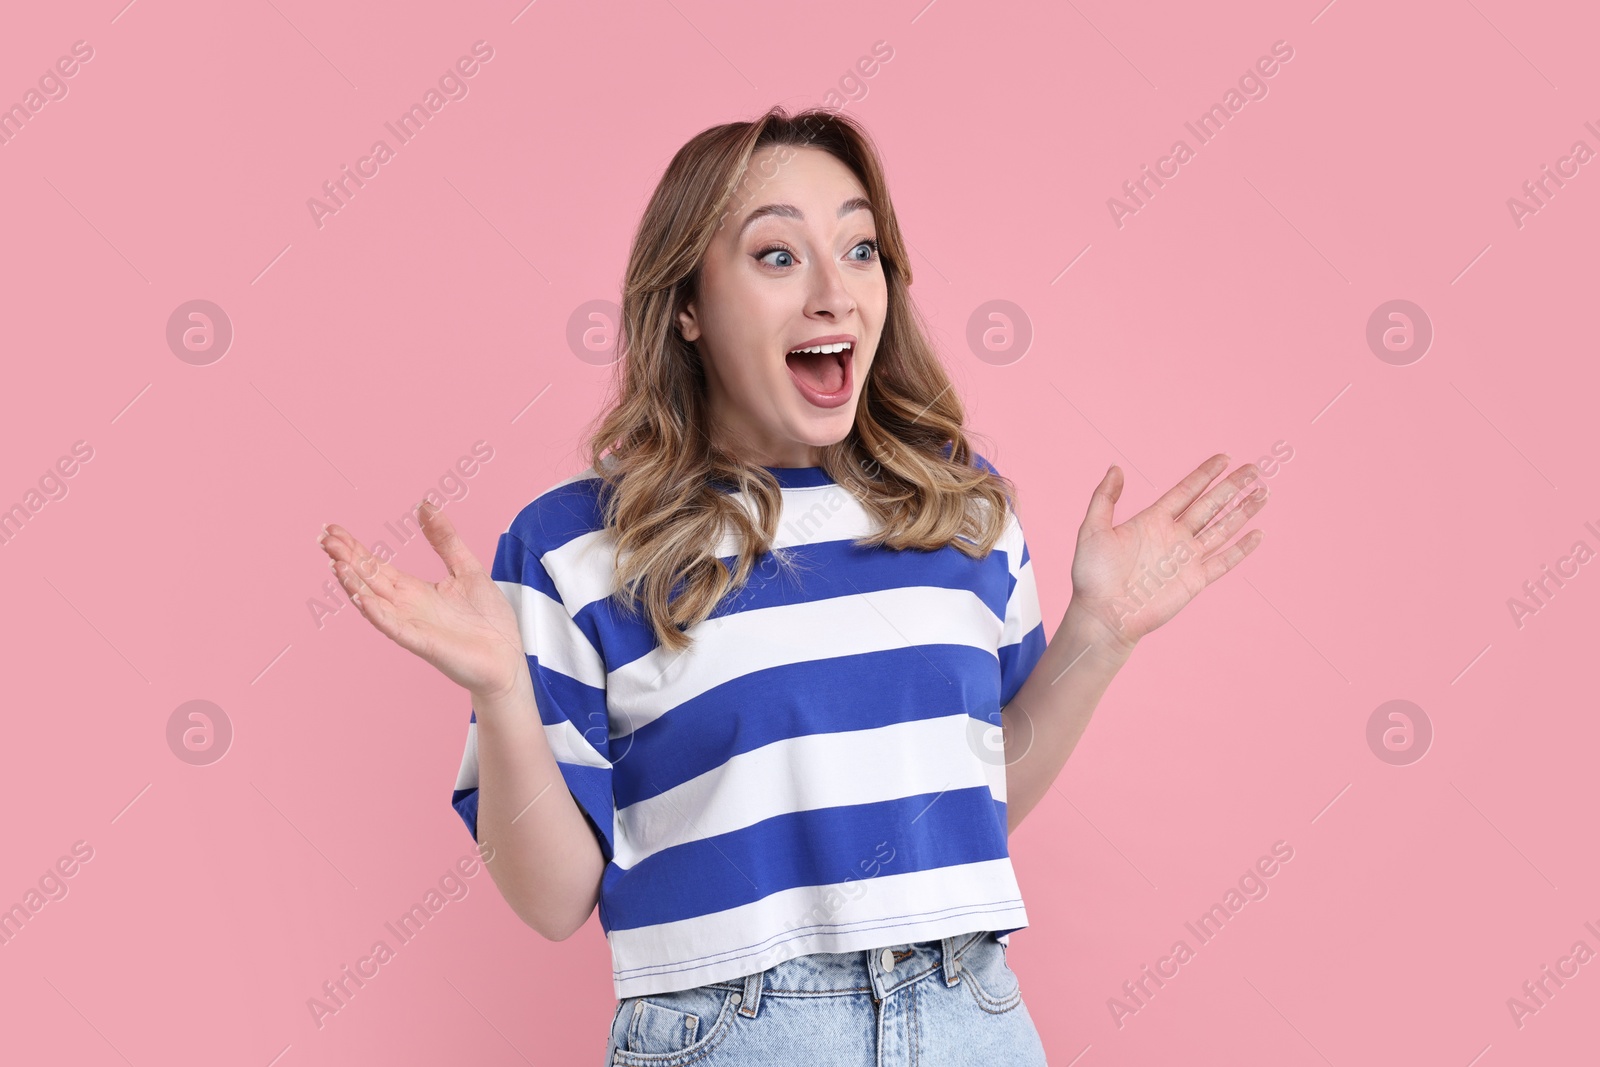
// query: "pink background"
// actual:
[[1226, 315]]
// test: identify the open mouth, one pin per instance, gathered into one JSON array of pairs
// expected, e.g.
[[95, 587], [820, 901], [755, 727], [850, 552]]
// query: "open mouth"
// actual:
[[822, 372]]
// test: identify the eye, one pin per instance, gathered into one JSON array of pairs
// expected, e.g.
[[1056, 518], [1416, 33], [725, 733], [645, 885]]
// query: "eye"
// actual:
[[765, 252], [871, 245]]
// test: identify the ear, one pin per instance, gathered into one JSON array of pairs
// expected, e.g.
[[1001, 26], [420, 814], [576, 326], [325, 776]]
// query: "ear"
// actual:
[[688, 323]]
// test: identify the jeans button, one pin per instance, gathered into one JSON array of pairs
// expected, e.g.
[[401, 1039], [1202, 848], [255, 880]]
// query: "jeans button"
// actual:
[[888, 959], [955, 966]]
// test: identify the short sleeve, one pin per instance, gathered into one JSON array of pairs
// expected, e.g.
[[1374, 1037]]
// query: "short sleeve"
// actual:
[[1022, 637], [569, 679]]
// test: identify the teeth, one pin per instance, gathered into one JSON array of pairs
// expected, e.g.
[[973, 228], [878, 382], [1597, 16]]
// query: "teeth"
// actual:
[[842, 346]]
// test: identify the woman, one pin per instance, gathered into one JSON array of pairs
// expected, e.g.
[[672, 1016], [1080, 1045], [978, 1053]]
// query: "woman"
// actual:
[[781, 641]]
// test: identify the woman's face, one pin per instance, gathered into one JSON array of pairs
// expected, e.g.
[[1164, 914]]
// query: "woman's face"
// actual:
[[790, 263]]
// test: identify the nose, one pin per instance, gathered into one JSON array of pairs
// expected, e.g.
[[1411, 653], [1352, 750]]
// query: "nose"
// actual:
[[829, 297]]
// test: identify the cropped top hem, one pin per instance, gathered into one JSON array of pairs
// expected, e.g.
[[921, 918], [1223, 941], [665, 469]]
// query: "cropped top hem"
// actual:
[[1003, 917]]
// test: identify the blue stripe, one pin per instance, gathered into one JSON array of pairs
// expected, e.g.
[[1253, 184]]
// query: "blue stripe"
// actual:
[[591, 788], [563, 699], [514, 562], [819, 572], [465, 801], [728, 870], [560, 514], [847, 693], [1017, 661]]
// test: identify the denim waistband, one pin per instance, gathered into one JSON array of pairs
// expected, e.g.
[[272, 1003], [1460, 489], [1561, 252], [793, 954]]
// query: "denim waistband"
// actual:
[[879, 971]]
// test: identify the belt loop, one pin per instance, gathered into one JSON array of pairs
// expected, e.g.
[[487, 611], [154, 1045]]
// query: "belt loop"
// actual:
[[752, 994], [947, 949]]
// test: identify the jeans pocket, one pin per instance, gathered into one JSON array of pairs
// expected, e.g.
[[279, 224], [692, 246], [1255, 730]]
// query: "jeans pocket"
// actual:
[[676, 1028], [990, 979]]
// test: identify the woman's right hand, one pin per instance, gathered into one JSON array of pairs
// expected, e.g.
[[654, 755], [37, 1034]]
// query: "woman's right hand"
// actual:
[[462, 625]]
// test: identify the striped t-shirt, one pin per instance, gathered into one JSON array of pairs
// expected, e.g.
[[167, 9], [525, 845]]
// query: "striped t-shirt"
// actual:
[[822, 771]]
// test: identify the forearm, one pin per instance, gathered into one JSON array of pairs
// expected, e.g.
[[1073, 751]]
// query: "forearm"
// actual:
[[545, 860], [1045, 718]]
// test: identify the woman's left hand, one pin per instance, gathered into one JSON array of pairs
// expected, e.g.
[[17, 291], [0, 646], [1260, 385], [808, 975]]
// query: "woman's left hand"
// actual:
[[1132, 578]]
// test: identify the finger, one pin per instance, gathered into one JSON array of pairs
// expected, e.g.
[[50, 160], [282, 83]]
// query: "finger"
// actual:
[[380, 613], [1103, 500], [1217, 564], [1180, 496], [355, 586], [1218, 532], [441, 534], [374, 574], [1205, 509]]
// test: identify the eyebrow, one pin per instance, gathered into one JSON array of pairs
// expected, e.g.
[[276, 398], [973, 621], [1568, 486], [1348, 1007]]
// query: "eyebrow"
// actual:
[[789, 211]]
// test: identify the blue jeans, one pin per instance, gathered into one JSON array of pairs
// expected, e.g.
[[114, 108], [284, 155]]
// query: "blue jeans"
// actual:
[[953, 1002]]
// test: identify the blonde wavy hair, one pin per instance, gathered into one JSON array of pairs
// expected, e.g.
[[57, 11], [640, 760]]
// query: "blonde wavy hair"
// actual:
[[906, 457]]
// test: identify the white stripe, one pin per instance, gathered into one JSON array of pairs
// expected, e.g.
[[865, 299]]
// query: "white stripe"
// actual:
[[1022, 610], [810, 515], [566, 743], [880, 908], [549, 633], [735, 645], [569, 745], [810, 772], [467, 777], [583, 569]]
